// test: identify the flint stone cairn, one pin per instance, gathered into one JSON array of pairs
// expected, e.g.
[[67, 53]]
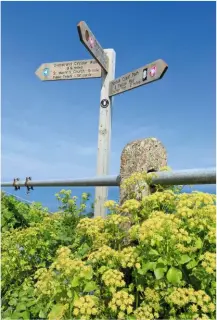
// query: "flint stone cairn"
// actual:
[[147, 155]]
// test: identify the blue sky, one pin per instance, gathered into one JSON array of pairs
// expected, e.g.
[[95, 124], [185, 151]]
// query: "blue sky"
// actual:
[[49, 129]]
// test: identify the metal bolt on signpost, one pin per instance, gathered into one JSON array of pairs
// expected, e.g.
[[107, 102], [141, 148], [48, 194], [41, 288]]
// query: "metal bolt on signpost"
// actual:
[[103, 65]]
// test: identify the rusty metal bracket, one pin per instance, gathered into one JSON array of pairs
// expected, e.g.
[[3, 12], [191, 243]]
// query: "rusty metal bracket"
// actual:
[[27, 186], [16, 187]]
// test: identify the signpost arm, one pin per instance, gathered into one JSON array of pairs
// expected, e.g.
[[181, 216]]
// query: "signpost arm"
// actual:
[[104, 133]]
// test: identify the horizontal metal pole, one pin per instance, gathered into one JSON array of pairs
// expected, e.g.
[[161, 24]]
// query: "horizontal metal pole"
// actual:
[[85, 182], [184, 177], [179, 177]]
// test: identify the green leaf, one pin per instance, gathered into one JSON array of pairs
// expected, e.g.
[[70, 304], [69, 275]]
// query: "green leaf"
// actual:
[[21, 307], [162, 261], [42, 314], [57, 312], [32, 252], [13, 302], [84, 249], [191, 264], [146, 267], [75, 282], [87, 274], [76, 296], [16, 315], [198, 243], [90, 286], [25, 315], [159, 273], [149, 265], [69, 293], [174, 275], [184, 258], [153, 252], [102, 269], [31, 303]]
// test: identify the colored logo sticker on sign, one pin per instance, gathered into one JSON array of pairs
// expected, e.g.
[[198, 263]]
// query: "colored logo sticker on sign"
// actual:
[[91, 42], [144, 74], [153, 71], [46, 72]]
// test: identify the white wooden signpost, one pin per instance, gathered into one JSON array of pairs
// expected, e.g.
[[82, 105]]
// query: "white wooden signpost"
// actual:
[[102, 66]]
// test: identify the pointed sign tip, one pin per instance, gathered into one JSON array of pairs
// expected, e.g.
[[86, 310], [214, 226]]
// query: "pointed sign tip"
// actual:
[[79, 24], [164, 63]]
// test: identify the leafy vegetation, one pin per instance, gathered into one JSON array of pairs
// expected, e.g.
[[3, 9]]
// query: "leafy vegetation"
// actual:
[[152, 258]]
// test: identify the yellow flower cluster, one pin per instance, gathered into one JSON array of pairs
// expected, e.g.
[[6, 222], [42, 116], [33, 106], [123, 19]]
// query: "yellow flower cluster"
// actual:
[[111, 204], [113, 279], [104, 254], [157, 199], [130, 205], [145, 312], [94, 229], [152, 299], [121, 303], [64, 251], [183, 249], [197, 218], [84, 196], [195, 199], [85, 307], [203, 317], [129, 258], [151, 295], [137, 177], [86, 224], [161, 225], [184, 296], [183, 235], [134, 231], [209, 262], [185, 212], [45, 285], [66, 264], [211, 236], [165, 168], [116, 219], [64, 267], [83, 206]]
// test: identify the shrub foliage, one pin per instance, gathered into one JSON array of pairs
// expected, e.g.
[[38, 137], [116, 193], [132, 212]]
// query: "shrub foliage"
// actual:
[[153, 257]]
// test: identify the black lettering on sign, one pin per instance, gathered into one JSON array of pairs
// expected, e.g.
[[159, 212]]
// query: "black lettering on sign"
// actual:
[[125, 78], [134, 74]]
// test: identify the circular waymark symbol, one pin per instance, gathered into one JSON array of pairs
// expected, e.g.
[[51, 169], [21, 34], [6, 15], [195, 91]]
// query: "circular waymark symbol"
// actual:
[[104, 103]]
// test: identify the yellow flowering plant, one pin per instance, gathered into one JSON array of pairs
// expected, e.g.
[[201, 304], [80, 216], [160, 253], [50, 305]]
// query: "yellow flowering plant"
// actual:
[[153, 257]]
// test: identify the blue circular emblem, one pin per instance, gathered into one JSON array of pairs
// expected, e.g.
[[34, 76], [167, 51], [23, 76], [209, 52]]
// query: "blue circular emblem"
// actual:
[[46, 72]]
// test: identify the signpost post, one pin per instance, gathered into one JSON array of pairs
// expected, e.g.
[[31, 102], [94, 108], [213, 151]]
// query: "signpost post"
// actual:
[[106, 58], [103, 66]]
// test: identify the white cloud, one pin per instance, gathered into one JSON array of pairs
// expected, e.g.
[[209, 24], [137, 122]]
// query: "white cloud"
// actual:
[[48, 158]]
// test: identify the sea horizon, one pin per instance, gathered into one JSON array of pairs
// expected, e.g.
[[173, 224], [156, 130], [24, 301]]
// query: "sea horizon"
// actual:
[[46, 195]]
